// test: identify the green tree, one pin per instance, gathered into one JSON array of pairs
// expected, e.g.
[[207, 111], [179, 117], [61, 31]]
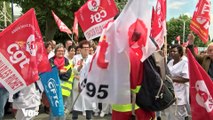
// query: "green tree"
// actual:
[[175, 28], [64, 9], [121, 3], [5, 14]]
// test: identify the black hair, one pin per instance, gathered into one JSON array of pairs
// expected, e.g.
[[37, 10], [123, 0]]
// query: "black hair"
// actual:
[[179, 48], [70, 47]]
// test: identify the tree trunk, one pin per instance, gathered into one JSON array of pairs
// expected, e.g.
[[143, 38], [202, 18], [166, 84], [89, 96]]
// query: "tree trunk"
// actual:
[[50, 29]]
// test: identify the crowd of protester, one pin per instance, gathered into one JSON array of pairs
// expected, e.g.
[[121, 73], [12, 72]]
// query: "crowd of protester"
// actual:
[[76, 58]]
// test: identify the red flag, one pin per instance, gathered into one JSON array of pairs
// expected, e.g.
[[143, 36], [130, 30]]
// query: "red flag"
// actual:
[[94, 15], [159, 22], [75, 26], [163, 9], [201, 91], [201, 20], [153, 15], [22, 53], [61, 25], [178, 38]]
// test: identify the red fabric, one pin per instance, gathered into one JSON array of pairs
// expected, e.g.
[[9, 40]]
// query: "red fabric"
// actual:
[[140, 115], [59, 62], [201, 20], [61, 25], [196, 50], [24, 50], [101, 56], [136, 73], [158, 30], [75, 26], [93, 15], [201, 91], [138, 33]]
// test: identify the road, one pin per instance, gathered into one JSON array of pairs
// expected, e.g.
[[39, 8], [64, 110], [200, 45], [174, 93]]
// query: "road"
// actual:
[[44, 116]]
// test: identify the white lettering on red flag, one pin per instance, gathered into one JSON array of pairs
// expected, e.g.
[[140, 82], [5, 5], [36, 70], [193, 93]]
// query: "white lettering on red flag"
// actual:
[[93, 16], [22, 53], [201, 20], [158, 30]]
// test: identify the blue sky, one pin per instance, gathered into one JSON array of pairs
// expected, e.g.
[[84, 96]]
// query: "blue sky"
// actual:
[[177, 7]]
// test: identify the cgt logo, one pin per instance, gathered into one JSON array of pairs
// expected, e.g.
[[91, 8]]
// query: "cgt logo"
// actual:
[[93, 5], [203, 97], [29, 113], [31, 46]]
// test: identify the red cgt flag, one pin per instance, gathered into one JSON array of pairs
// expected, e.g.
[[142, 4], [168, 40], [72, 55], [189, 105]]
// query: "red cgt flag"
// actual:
[[201, 91], [201, 20], [94, 15], [22, 52], [61, 25]]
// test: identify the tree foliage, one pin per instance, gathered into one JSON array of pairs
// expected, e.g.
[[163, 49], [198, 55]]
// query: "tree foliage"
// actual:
[[121, 3], [5, 14], [64, 9], [175, 28]]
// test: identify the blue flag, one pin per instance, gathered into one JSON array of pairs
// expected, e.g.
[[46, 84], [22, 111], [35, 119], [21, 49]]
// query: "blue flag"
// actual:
[[52, 88]]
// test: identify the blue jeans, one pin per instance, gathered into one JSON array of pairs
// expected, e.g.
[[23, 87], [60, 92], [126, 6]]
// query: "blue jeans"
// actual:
[[4, 95]]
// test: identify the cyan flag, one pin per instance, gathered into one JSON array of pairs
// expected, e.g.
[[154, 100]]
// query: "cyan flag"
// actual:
[[52, 88]]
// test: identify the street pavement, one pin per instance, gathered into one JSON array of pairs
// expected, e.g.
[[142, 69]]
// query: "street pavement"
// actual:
[[44, 116]]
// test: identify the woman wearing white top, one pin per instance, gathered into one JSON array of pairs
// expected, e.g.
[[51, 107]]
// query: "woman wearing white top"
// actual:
[[179, 70]]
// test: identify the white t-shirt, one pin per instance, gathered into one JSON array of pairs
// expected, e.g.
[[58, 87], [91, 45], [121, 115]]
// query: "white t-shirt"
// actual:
[[81, 104], [180, 69]]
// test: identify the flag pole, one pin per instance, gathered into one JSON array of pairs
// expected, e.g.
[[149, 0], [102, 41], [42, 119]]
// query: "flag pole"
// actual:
[[165, 47], [71, 38]]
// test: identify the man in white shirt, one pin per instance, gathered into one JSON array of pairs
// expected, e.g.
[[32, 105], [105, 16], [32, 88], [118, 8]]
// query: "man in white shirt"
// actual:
[[81, 63]]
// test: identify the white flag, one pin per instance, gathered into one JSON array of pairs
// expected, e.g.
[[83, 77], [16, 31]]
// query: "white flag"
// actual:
[[133, 28], [108, 80]]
